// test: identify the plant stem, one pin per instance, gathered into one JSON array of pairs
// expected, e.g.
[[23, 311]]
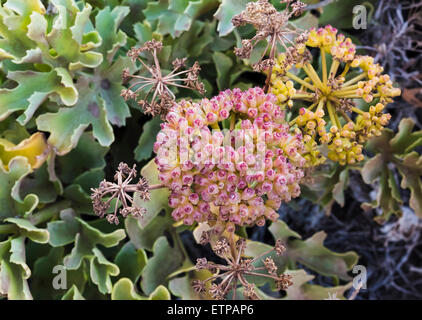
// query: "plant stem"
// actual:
[[358, 110], [355, 79], [324, 67], [297, 79], [331, 113], [313, 75]]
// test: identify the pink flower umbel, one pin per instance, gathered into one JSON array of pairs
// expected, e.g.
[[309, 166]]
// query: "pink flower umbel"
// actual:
[[228, 177]]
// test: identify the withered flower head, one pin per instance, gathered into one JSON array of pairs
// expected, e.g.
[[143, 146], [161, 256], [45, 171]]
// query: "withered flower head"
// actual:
[[283, 282], [205, 238], [226, 278], [121, 190], [271, 26], [279, 247], [198, 286], [153, 89]]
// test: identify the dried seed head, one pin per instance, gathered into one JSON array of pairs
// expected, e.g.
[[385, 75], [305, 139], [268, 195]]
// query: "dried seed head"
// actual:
[[221, 247], [198, 286], [216, 292], [270, 266], [225, 278], [201, 263], [121, 190], [205, 238], [284, 282], [271, 26], [279, 247], [249, 292], [156, 98]]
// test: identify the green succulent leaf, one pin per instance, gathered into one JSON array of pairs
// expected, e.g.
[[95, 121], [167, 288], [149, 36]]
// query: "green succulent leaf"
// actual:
[[33, 89], [340, 14], [14, 21], [164, 261], [395, 151], [225, 13], [310, 253], [11, 203], [144, 237], [176, 16], [146, 141], [73, 294], [159, 197], [327, 186], [182, 287], [131, 261], [67, 125], [86, 238], [302, 290], [28, 230], [125, 290], [14, 271]]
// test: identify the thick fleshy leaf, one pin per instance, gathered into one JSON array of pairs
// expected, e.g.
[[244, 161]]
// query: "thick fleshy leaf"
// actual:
[[27, 229], [73, 294], [302, 290], [107, 79], [67, 125], [86, 238], [42, 278], [70, 165], [146, 141], [340, 14], [68, 40], [125, 290], [395, 150], [101, 270], [14, 20], [41, 184], [225, 13], [14, 271], [310, 253], [223, 64], [11, 204], [159, 197], [33, 89], [176, 16], [131, 261], [182, 287], [164, 261], [144, 237], [327, 185], [34, 148]]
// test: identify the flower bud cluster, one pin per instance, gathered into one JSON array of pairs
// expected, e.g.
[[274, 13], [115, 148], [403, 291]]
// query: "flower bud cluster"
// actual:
[[339, 46], [229, 177], [371, 123]]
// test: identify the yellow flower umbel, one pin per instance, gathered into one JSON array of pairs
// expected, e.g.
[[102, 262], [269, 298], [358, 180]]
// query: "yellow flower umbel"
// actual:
[[332, 116]]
